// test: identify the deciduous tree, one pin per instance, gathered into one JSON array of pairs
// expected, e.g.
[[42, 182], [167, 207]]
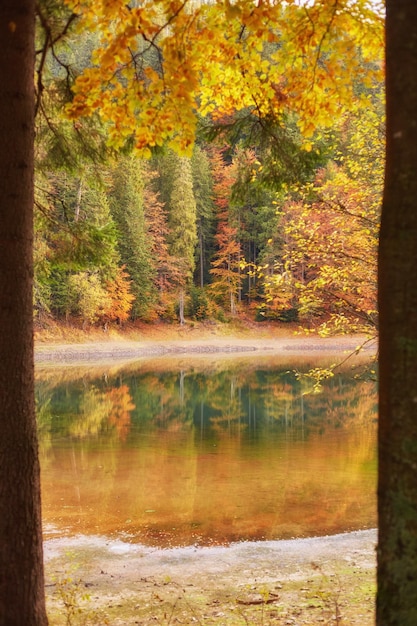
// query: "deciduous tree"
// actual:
[[120, 297], [165, 271], [331, 237], [227, 259]]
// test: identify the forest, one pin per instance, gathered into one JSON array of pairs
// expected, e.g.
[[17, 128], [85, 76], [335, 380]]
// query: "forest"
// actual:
[[261, 217], [203, 160]]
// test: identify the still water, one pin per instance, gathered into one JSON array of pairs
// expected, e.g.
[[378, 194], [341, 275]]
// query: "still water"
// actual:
[[172, 454]]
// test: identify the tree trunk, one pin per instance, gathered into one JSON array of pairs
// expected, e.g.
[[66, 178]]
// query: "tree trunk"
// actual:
[[201, 257], [397, 486], [21, 568], [181, 306]]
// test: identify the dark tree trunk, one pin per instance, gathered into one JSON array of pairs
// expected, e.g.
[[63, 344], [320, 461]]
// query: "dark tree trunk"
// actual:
[[397, 488], [21, 568]]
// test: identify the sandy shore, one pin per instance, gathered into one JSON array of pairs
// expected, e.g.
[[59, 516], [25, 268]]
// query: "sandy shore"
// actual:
[[326, 580]]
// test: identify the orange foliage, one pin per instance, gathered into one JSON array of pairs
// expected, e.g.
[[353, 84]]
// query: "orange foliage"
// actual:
[[122, 405], [331, 251], [121, 299]]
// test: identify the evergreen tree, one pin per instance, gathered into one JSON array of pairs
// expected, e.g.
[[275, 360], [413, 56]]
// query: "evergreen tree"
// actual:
[[127, 206], [203, 193], [75, 233], [182, 221]]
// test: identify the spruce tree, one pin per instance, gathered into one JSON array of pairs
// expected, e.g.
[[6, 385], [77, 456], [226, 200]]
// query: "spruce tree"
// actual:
[[182, 222], [203, 193], [127, 206]]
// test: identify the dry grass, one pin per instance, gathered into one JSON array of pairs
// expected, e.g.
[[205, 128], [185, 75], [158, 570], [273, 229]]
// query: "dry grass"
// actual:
[[72, 332]]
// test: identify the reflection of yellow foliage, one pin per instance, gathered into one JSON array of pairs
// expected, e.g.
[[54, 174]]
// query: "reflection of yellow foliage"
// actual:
[[95, 407]]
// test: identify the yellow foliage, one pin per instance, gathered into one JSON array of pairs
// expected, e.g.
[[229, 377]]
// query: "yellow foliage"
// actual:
[[270, 57]]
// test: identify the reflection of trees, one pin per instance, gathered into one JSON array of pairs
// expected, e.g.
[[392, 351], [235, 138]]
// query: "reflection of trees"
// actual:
[[254, 403], [235, 454], [81, 411], [164, 400], [95, 407], [226, 401], [120, 413]]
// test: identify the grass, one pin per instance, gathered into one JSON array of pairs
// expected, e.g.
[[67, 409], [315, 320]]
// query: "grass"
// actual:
[[71, 332], [344, 597]]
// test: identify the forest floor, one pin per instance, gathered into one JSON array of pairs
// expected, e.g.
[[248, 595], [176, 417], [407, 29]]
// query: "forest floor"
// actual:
[[98, 581]]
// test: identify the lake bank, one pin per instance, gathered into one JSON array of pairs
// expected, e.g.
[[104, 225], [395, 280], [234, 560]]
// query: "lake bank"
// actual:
[[329, 580], [128, 349]]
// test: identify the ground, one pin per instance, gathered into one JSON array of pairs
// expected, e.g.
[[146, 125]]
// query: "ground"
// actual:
[[61, 344], [325, 580]]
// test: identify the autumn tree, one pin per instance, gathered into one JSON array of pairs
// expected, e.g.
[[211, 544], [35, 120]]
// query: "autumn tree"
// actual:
[[329, 254], [165, 270], [226, 262], [120, 297]]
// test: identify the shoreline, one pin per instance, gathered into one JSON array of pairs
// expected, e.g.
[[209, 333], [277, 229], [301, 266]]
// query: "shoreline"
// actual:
[[298, 581], [117, 350]]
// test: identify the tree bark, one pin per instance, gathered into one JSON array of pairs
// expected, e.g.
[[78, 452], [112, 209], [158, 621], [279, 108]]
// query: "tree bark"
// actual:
[[21, 565], [397, 486], [181, 306]]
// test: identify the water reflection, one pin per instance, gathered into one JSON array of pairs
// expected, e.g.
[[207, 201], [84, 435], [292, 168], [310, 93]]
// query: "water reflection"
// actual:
[[169, 457]]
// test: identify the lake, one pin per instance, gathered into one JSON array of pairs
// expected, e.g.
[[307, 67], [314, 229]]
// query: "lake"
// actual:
[[170, 452]]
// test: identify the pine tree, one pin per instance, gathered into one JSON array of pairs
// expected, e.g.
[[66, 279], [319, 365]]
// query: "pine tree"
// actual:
[[183, 227], [203, 193], [74, 232], [127, 206]]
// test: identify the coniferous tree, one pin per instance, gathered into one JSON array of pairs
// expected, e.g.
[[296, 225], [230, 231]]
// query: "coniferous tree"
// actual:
[[203, 193], [22, 595], [127, 206], [182, 221], [75, 233]]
